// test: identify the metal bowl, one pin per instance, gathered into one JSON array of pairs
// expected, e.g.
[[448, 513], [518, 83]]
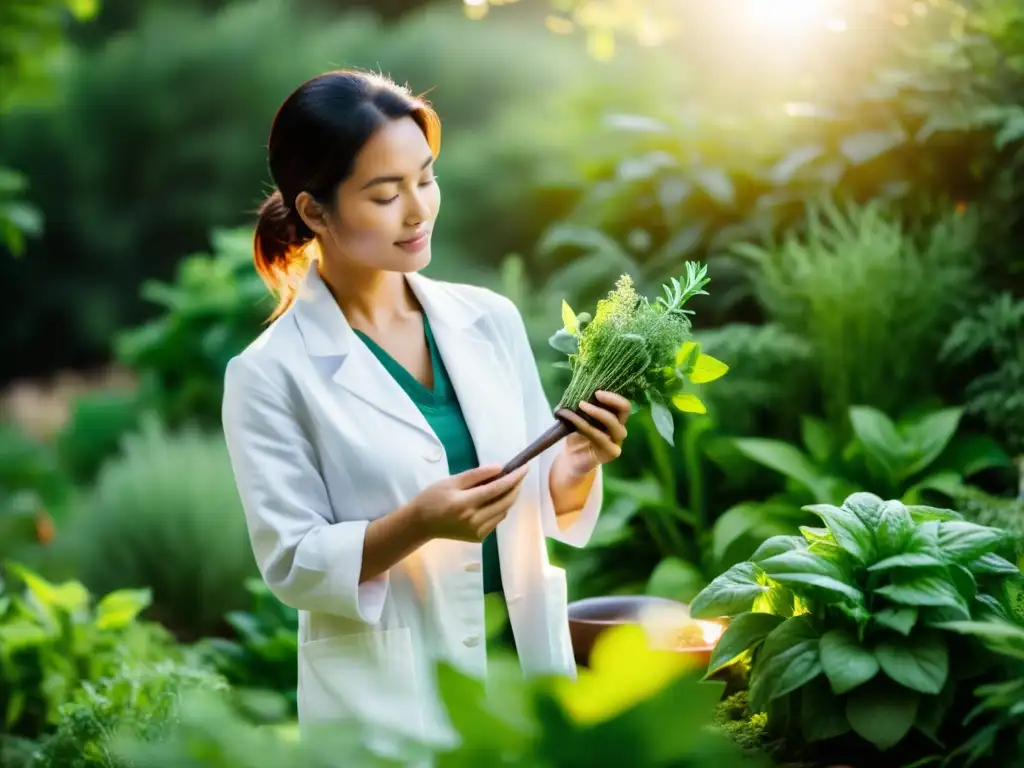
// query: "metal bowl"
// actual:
[[590, 617]]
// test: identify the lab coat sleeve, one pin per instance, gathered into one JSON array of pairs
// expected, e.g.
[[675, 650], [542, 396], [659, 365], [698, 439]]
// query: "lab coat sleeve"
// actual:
[[307, 561], [539, 417]]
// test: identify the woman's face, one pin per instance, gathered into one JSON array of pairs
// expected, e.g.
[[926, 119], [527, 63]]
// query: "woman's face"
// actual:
[[386, 209]]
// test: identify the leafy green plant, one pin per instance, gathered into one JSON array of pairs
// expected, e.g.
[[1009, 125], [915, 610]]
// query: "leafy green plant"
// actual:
[[35, 492], [264, 654], [94, 430], [140, 700], [874, 298], [54, 638], [993, 338], [845, 627], [908, 459], [165, 515], [996, 721], [212, 311], [984, 508], [615, 714]]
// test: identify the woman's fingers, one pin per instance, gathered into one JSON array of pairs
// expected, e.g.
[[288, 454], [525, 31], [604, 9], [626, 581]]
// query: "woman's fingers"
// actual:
[[484, 494], [620, 405], [610, 420], [596, 436]]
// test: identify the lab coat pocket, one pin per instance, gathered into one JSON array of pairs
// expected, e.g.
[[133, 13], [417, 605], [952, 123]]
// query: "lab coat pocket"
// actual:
[[556, 604], [367, 676]]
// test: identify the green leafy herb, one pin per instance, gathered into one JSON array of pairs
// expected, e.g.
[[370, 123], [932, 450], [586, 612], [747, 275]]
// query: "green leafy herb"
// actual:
[[639, 349], [877, 601]]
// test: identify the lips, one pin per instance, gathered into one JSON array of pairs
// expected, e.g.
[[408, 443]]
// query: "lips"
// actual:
[[415, 240]]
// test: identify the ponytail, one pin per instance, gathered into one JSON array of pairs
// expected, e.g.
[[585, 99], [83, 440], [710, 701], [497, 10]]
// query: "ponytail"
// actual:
[[279, 249]]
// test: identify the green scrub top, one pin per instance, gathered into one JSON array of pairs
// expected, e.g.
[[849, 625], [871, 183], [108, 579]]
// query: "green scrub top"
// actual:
[[443, 413]]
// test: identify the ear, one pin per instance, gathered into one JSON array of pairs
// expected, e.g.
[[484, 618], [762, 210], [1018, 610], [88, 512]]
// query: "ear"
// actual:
[[312, 213]]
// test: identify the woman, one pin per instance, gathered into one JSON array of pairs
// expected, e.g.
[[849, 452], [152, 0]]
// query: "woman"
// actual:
[[367, 425]]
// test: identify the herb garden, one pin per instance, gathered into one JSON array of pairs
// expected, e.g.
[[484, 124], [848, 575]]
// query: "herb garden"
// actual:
[[789, 232]]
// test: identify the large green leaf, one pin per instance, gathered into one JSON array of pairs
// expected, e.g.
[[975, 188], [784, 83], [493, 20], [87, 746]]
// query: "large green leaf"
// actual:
[[880, 438], [848, 530], [866, 506], [928, 437], [664, 422], [729, 593], [776, 545], [817, 438], [751, 521], [964, 541], [882, 712], [993, 564], [788, 660], [847, 664], [893, 528], [908, 560], [923, 590], [783, 458], [822, 715], [920, 663], [900, 619], [743, 633]]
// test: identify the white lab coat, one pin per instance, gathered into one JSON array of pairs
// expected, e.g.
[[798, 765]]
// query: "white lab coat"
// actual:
[[322, 440]]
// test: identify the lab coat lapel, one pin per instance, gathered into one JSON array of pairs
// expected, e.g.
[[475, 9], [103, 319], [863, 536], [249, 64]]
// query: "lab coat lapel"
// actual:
[[476, 373], [346, 360]]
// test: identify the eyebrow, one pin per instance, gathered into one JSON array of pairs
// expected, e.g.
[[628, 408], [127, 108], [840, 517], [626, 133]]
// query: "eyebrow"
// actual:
[[395, 179]]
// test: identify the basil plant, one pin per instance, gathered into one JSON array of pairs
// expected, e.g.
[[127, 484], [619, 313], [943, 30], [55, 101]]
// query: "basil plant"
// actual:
[[850, 629]]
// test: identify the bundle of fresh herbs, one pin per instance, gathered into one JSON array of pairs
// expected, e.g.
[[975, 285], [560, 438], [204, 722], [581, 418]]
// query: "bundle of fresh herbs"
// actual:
[[636, 348]]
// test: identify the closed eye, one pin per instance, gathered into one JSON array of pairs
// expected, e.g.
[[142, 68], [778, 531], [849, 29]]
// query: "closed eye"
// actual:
[[390, 200]]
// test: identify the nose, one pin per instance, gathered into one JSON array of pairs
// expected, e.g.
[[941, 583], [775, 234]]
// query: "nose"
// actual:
[[418, 210]]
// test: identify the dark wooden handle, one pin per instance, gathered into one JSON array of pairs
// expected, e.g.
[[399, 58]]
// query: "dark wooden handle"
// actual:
[[560, 430]]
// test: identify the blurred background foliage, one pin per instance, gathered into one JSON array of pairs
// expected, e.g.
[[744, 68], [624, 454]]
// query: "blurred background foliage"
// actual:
[[849, 170]]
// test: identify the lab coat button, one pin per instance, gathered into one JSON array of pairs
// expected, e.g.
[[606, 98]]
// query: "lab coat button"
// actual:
[[434, 454], [472, 567], [472, 642]]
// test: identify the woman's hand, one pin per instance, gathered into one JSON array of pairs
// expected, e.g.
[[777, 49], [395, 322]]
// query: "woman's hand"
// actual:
[[467, 506], [590, 446]]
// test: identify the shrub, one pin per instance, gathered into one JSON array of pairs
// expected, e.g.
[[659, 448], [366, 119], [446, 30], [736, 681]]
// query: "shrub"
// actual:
[[141, 701], [165, 515], [53, 638], [848, 628], [265, 654], [873, 297]]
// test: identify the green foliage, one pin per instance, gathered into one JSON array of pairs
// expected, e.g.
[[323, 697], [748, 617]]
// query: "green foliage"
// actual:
[[34, 490], [846, 625], [604, 719], [993, 337], [984, 508], [18, 218], [136, 700], [32, 36], [639, 349], [264, 657], [54, 638], [94, 430], [997, 719], [211, 312], [768, 375], [909, 459], [166, 515], [193, 92], [874, 300]]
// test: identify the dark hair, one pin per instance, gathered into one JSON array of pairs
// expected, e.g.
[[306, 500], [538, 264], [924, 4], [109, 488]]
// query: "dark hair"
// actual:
[[316, 135]]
